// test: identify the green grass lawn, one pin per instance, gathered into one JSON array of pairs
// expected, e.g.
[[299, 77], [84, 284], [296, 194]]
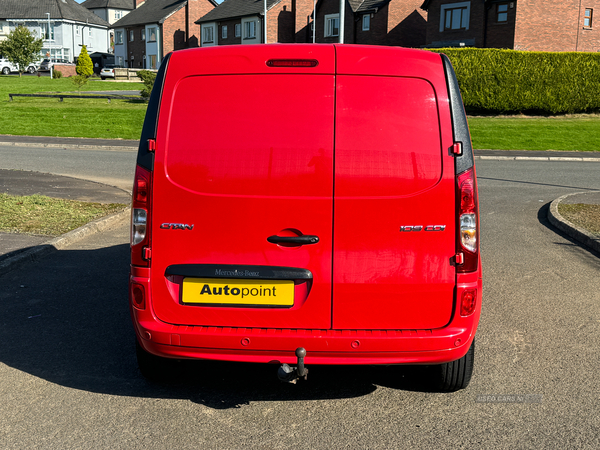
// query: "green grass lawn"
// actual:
[[581, 132], [94, 118], [122, 119], [38, 214]]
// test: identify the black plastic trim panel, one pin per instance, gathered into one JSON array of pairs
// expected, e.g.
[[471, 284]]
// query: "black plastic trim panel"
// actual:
[[239, 271], [145, 158], [460, 127]]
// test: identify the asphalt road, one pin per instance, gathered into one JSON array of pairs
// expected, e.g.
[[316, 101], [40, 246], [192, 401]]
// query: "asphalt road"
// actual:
[[68, 376]]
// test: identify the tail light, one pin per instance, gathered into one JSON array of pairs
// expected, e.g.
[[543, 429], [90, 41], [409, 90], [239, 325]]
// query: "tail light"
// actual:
[[140, 238], [468, 219], [137, 295], [468, 302]]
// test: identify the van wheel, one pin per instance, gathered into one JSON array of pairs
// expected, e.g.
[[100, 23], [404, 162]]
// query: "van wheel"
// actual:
[[6, 71], [31, 69], [455, 375], [103, 78], [152, 367]]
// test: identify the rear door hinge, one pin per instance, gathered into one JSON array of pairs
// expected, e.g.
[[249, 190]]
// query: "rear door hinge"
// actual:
[[151, 145], [146, 253], [459, 259], [456, 149]]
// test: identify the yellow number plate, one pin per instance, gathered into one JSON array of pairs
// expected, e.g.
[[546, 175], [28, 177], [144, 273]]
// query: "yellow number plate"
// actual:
[[238, 292]]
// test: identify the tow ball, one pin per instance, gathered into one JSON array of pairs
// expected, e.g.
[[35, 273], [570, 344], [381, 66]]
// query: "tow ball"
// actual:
[[290, 374]]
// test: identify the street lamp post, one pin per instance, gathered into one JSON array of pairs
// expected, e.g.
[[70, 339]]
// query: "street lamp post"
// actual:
[[49, 47]]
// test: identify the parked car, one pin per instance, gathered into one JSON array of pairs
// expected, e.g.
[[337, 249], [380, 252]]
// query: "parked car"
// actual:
[[46, 64], [237, 250], [6, 67], [108, 71]]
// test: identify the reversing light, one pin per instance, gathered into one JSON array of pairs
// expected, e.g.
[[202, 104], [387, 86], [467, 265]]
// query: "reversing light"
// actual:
[[468, 302], [139, 220], [292, 63]]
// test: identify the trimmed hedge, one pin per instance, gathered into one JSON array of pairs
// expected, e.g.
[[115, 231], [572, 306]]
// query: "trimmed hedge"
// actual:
[[509, 81]]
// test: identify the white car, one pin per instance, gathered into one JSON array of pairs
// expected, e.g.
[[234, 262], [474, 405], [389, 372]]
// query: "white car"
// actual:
[[6, 67], [108, 71]]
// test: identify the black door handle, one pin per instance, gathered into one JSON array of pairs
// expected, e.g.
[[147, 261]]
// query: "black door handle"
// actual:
[[306, 239]]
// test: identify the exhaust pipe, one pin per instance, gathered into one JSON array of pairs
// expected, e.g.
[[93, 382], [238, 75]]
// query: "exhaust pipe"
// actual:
[[290, 374]]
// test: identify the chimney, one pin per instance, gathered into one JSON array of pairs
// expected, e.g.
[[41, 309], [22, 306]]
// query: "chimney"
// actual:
[[138, 2]]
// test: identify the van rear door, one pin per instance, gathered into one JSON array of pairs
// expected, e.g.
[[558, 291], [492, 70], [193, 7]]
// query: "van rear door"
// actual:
[[244, 152], [394, 205]]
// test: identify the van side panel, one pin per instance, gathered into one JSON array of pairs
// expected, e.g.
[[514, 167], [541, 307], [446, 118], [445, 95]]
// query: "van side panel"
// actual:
[[394, 201], [235, 164]]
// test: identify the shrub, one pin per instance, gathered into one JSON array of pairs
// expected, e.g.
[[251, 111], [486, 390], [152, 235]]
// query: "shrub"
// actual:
[[148, 78], [57, 74], [509, 81], [79, 81], [84, 63]]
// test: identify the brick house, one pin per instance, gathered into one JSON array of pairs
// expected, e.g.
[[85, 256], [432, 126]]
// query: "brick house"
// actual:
[[552, 25], [156, 27], [378, 22]]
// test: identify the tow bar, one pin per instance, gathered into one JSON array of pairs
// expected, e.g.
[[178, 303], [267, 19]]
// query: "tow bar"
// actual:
[[290, 374]]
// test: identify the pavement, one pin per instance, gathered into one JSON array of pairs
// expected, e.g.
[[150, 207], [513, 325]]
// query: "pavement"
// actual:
[[16, 249]]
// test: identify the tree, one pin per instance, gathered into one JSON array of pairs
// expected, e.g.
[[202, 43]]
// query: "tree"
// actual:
[[79, 81], [21, 48], [84, 63]]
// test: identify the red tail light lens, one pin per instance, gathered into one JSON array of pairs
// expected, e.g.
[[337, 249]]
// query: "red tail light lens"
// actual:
[[138, 296], [468, 302], [140, 217], [292, 63], [468, 239]]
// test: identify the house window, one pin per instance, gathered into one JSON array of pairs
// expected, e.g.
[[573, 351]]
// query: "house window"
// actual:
[[224, 32], [142, 34], [587, 18], [77, 30], [332, 25], [238, 30], [45, 31], [250, 30], [119, 60], [366, 22], [118, 37], [502, 12], [152, 61], [207, 34], [118, 14], [89, 31], [130, 35], [455, 16], [152, 34]]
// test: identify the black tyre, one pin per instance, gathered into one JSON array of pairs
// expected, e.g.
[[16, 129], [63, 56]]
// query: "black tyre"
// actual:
[[152, 367], [455, 375], [31, 69], [103, 78], [6, 71]]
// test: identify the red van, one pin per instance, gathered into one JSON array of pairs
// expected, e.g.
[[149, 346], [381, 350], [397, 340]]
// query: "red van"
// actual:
[[306, 204]]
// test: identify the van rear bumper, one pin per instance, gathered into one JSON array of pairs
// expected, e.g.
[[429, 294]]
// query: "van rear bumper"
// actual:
[[269, 345]]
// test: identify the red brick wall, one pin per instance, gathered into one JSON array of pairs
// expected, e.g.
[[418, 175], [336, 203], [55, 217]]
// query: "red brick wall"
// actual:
[[137, 47], [173, 32], [333, 7], [555, 25], [195, 10], [406, 23], [281, 23], [66, 71], [303, 10], [501, 34], [474, 33]]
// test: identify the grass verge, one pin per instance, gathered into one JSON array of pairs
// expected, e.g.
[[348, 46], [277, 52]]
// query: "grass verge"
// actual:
[[38, 214], [582, 215], [89, 118], [567, 133]]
